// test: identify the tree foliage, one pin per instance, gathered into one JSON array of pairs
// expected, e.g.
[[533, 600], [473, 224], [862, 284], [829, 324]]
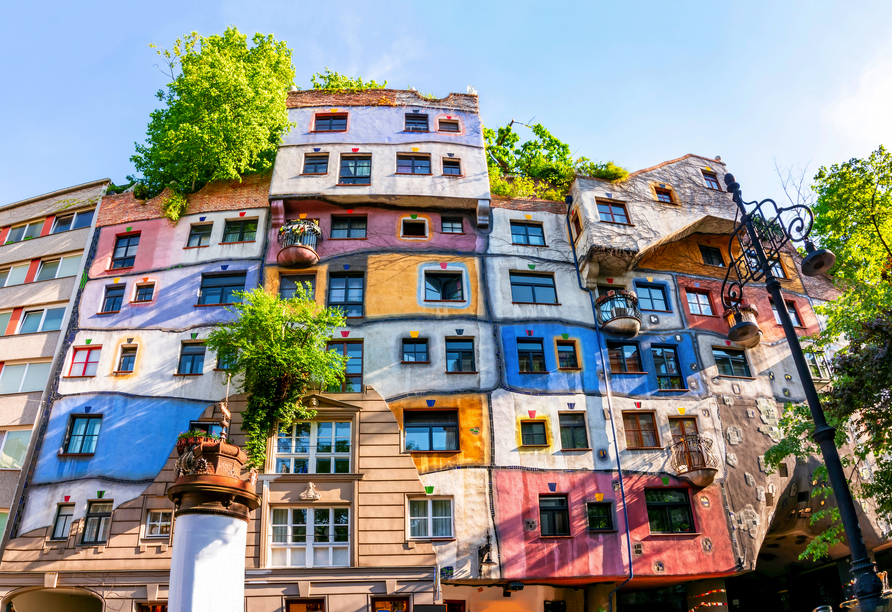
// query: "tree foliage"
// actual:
[[542, 166], [338, 82], [224, 114], [276, 350]]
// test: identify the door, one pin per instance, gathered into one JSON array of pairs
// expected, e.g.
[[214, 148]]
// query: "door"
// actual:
[[686, 443]]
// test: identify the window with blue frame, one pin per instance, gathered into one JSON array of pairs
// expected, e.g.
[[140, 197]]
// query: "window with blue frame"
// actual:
[[651, 297], [668, 372], [530, 355]]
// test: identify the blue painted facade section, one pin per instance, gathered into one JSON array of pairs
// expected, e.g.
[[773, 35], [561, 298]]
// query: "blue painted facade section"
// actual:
[[135, 440], [646, 384], [553, 380]]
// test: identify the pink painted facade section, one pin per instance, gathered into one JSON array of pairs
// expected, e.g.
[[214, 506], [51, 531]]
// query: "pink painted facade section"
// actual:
[[525, 555]]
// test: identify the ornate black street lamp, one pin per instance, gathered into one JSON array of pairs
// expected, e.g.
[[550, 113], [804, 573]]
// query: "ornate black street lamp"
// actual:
[[760, 235]]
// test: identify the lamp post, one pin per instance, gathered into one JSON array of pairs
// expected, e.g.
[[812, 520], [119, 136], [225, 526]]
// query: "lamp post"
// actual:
[[760, 236]]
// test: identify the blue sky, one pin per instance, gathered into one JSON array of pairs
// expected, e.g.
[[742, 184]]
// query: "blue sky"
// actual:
[[633, 82]]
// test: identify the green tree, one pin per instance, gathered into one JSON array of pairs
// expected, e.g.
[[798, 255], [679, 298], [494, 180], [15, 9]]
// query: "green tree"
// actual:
[[224, 114], [338, 82], [276, 351]]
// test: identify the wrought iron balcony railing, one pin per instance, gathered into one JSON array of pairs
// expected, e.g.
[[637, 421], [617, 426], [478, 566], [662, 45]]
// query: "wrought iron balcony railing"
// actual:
[[693, 458], [299, 240], [618, 312]]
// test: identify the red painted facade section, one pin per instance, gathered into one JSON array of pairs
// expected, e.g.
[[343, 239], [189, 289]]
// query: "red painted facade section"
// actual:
[[47, 225], [4, 233], [716, 323], [32, 271], [14, 321]]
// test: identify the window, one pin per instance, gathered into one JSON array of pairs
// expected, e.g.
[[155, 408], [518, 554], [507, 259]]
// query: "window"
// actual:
[[191, 359], [331, 123], [353, 372], [24, 377], [213, 428], [712, 181], [641, 430], [42, 320], [413, 164], [15, 446], [348, 227], [114, 297], [684, 439], [125, 251], [431, 430], [346, 292], [84, 362], [413, 229], [532, 433], [356, 170], [145, 293], [4, 322], [439, 287], [600, 516], [624, 358], [460, 356], [316, 164], [127, 360], [777, 268], [554, 515], [301, 605], [527, 233], [221, 288], [83, 433], [199, 235], [613, 212], [430, 518], [448, 125], [731, 362], [240, 231], [16, 275], [651, 297], [62, 523], [288, 285], [451, 225], [158, 523], [530, 355], [416, 122], [664, 195], [791, 310], [97, 523], [326, 544], [74, 221], [314, 448], [573, 433], [698, 303], [668, 511], [817, 363], [225, 361], [390, 604], [56, 268], [532, 288], [712, 256], [451, 167], [22, 232], [415, 351], [668, 373], [567, 358]]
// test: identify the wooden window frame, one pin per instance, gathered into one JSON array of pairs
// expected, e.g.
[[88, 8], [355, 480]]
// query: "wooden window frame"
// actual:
[[521, 273], [457, 160], [122, 288], [611, 515], [574, 413], [347, 304], [658, 191], [235, 273], [126, 347], [651, 287], [413, 157], [709, 174], [689, 506], [461, 221], [573, 345], [531, 354], [613, 220], [137, 287], [348, 156], [534, 422], [430, 427], [791, 305], [427, 123], [614, 344], [427, 350], [680, 375], [708, 294], [638, 430], [317, 116], [242, 223], [348, 218], [457, 122], [565, 509], [182, 354], [309, 156], [100, 516], [702, 247], [420, 220], [56, 523], [114, 259], [461, 353], [742, 353], [192, 228]]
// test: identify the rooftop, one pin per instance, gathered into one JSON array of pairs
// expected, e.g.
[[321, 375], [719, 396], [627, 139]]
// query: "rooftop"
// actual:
[[312, 98]]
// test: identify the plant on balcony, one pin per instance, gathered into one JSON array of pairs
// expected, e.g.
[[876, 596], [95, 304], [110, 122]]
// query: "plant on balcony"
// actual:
[[613, 293], [291, 231], [277, 350], [193, 437]]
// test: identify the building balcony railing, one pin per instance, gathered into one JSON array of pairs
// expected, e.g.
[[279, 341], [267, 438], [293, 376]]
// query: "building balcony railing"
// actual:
[[618, 313], [693, 459], [299, 240]]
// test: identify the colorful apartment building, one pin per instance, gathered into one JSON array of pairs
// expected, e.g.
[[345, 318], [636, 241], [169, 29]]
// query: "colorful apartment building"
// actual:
[[541, 410], [43, 243]]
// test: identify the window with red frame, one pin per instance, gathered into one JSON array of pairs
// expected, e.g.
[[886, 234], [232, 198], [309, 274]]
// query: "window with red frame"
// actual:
[[699, 304], [85, 362]]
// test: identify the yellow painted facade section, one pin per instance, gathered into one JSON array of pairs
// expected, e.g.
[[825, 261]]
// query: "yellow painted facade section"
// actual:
[[553, 443], [474, 447], [684, 256]]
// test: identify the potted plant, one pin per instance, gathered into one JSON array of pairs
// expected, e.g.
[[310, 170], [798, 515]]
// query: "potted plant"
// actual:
[[194, 437]]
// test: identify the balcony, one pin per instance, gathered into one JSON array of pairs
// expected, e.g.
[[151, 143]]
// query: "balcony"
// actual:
[[749, 314], [693, 459], [618, 313], [299, 240]]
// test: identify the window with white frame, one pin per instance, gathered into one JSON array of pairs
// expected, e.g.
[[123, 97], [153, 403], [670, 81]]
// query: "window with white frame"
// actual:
[[321, 447], [13, 449], [4, 321], [25, 232], [73, 221], [310, 537], [430, 518], [158, 523], [43, 320], [62, 524], [14, 276], [59, 268], [24, 377]]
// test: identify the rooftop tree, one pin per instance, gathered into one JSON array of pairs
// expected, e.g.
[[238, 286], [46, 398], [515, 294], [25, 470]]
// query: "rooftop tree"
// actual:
[[276, 350], [224, 114]]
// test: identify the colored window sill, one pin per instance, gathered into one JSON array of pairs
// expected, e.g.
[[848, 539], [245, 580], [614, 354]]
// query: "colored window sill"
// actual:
[[445, 301], [538, 303], [200, 246], [673, 390], [326, 131], [705, 316], [572, 450], [352, 184], [75, 455], [432, 539], [122, 372], [413, 173], [221, 370], [569, 369], [57, 539], [121, 268], [533, 372], [343, 476], [662, 311], [416, 132], [475, 372], [83, 376], [142, 301], [105, 312], [455, 176], [602, 531], [212, 305], [615, 223], [647, 448], [188, 374], [414, 362], [674, 534], [737, 377], [452, 233], [534, 446], [404, 237], [313, 173], [439, 452], [628, 373], [554, 537], [538, 246], [239, 242]]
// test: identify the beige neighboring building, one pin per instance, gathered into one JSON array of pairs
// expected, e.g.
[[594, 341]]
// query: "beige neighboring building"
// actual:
[[42, 244]]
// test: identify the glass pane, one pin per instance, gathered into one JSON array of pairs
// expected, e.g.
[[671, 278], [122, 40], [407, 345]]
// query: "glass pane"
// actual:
[[320, 557], [53, 319], [69, 266], [4, 318], [36, 377], [11, 378], [340, 556], [298, 557], [15, 445], [48, 270], [658, 519], [279, 556], [17, 275], [84, 219], [31, 322]]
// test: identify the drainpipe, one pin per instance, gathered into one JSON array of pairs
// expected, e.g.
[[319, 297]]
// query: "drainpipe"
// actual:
[[619, 469]]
